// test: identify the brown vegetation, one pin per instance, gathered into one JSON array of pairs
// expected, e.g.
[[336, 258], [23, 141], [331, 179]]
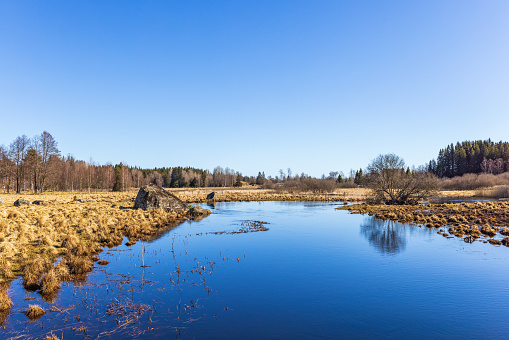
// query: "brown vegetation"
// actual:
[[34, 312], [70, 231], [469, 220], [474, 181]]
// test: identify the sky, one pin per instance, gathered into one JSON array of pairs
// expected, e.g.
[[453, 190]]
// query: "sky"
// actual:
[[315, 86]]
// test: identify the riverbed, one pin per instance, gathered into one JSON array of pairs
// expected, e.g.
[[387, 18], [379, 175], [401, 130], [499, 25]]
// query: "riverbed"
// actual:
[[310, 272]]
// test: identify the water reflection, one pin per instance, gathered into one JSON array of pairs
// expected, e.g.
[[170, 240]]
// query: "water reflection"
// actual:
[[388, 237]]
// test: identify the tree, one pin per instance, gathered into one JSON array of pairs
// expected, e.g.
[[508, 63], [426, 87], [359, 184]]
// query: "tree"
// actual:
[[392, 185], [117, 185], [47, 149], [32, 162], [6, 167], [358, 177], [260, 179], [238, 181], [17, 152]]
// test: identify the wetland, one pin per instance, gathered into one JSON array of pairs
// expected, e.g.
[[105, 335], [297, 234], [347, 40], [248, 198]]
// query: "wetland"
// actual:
[[277, 270]]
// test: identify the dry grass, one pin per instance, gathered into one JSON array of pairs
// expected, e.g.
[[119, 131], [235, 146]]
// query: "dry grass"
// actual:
[[5, 301], [33, 238], [5, 270], [52, 337], [469, 220], [34, 312], [50, 283], [500, 191], [251, 194]]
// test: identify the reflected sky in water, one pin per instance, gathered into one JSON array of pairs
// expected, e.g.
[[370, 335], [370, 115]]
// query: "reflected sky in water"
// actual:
[[316, 273]]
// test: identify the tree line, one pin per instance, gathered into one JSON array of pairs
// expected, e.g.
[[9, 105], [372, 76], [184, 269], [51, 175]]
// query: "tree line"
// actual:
[[35, 164], [480, 156]]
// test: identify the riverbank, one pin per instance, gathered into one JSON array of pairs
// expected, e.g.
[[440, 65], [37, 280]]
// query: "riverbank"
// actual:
[[483, 221], [73, 229]]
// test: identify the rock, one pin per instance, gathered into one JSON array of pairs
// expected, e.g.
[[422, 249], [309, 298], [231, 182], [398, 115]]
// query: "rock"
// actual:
[[197, 211], [211, 195], [21, 202], [40, 202], [2, 200], [153, 196]]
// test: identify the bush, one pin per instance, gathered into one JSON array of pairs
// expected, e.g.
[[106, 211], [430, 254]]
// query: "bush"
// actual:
[[474, 181], [391, 184]]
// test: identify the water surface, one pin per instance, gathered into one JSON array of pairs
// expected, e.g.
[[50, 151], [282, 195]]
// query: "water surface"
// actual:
[[316, 273]]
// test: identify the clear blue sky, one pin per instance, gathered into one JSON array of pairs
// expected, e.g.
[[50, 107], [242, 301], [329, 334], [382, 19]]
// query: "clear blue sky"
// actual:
[[254, 85]]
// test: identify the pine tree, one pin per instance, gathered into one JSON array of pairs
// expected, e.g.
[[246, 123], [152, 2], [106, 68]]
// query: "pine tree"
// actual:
[[238, 182], [358, 177], [117, 185]]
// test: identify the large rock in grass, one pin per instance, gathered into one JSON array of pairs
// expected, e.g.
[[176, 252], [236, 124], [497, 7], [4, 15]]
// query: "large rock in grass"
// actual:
[[21, 202], [153, 197]]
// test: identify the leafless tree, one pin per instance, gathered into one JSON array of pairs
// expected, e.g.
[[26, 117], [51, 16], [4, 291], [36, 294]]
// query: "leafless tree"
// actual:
[[6, 169], [17, 152], [392, 185]]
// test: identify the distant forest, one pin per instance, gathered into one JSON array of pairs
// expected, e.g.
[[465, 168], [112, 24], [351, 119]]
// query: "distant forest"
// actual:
[[35, 164], [471, 157]]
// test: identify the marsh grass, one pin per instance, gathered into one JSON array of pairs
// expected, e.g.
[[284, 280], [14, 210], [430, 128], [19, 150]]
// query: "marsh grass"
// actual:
[[34, 312], [469, 220], [5, 301], [500, 191]]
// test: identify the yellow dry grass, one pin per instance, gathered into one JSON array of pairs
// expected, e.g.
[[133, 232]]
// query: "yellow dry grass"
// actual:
[[32, 237], [470, 219]]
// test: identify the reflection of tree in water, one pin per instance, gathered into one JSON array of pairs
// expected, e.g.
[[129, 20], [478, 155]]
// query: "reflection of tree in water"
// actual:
[[388, 237]]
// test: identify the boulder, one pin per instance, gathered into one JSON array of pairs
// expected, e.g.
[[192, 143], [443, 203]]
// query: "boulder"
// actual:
[[2, 200], [153, 197], [21, 202], [198, 211], [211, 195]]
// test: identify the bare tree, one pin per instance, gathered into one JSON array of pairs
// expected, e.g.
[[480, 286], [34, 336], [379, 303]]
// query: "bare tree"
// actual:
[[392, 185], [17, 152], [6, 167], [47, 150]]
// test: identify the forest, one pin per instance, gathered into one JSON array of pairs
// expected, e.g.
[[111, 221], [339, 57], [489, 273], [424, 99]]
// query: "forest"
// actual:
[[36, 165], [471, 157]]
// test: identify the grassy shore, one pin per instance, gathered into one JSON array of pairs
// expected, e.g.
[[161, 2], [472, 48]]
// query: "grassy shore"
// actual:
[[75, 227], [469, 221], [33, 237]]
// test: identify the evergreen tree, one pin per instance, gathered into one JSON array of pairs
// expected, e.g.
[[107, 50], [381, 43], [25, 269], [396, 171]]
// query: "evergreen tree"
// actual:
[[260, 179], [467, 157], [358, 177], [117, 185], [238, 182]]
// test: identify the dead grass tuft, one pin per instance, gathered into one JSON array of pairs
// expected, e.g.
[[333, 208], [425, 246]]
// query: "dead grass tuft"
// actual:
[[5, 301], [6, 270], [33, 271], [34, 312], [79, 264], [50, 283]]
